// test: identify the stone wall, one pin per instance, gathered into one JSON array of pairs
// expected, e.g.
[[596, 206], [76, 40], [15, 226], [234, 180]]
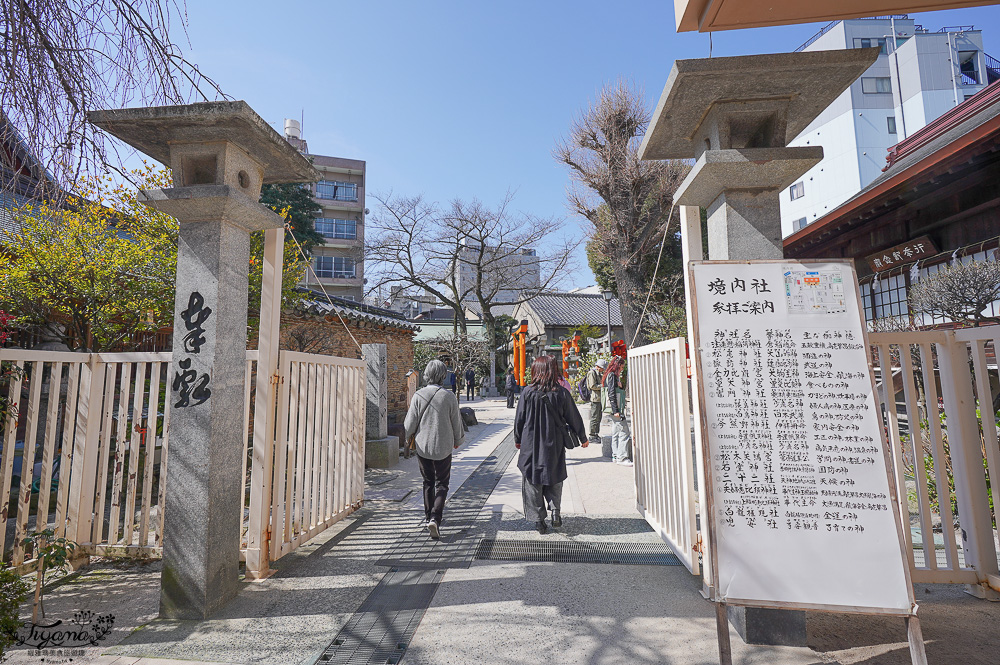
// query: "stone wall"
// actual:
[[315, 334]]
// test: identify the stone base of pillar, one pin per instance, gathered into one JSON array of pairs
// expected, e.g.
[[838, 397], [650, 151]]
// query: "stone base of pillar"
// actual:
[[756, 625], [382, 453]]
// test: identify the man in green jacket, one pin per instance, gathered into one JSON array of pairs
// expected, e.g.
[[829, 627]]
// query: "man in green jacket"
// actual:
[[595, 377]]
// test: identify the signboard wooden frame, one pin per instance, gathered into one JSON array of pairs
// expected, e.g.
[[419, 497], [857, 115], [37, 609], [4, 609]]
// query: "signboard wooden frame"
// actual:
[[913, 627]]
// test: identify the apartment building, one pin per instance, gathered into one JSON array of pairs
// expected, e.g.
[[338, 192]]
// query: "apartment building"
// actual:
[[505, 276], [338, 264], [919, 75]]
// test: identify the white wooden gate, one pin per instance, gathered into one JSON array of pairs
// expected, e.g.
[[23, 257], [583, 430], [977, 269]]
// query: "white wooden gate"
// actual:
[[663, 445], [91, 436], [937, 393]]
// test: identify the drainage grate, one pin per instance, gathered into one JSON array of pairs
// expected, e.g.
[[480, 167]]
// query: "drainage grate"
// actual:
[[457, 547], [630, 554], [381, 629], [383, 626]]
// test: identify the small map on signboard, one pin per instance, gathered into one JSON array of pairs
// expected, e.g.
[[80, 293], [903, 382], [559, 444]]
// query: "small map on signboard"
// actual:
[[814, 292]]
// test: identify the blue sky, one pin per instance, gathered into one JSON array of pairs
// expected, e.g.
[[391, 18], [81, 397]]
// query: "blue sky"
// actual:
[[462, 99]]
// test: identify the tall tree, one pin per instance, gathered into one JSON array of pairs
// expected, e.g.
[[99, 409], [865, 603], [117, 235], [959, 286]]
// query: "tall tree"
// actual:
[[509, 258], [407, 245], [469, 254], [296, 203], [626, 200], [63, 58]]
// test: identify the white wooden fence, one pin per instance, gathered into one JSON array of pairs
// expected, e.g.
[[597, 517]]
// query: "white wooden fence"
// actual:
[[662, 440], [937, 390], [91, 435]]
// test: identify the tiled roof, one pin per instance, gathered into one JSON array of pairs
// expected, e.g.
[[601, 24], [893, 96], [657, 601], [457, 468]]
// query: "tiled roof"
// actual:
[[352, 311], [497, 310], [570, 309]]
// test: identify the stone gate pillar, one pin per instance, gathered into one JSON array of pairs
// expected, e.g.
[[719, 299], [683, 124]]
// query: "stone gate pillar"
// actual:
[[220, 153], [735, 117]]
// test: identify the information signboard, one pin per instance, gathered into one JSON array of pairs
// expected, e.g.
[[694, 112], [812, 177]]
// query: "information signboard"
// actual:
[[804, 514]]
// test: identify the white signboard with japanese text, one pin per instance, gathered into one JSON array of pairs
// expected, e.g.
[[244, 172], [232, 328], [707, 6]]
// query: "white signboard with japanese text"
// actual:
[[803, 512]]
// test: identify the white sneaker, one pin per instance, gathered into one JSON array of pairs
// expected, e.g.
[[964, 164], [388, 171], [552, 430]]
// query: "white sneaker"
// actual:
[[433, 529], [626, 462]]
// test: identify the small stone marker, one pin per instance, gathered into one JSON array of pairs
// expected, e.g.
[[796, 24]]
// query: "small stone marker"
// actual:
[[381, 450]]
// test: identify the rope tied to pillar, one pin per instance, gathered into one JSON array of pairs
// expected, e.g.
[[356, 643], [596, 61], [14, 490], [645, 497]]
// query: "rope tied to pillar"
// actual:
[[288, 230]]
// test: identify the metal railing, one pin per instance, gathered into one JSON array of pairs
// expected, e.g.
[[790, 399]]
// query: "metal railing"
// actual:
[[663, 445], [829, 26]]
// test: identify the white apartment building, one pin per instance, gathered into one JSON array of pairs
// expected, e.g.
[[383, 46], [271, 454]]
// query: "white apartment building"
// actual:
[[507, 275], [918, 76], [338, 264]]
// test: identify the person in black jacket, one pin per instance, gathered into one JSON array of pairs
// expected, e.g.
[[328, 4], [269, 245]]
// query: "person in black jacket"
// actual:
[[546, 416], [470, 384], [511, 387]]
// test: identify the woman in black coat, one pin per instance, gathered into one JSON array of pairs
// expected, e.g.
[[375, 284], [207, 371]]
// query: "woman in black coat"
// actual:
[[545, 417]]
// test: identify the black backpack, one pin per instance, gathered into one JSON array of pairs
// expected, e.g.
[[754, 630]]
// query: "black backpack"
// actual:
[[582, 389]]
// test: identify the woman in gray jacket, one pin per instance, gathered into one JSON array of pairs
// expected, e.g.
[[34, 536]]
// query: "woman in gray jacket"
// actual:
[[435, 419]]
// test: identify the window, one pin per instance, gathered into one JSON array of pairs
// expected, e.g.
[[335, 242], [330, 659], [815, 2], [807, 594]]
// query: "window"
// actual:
[[799, 224], [336, 191], [887, 299], [797, 191], [967, 67], [871, 85], [337, 228], [865, 42], [335, 266], [891, 122]]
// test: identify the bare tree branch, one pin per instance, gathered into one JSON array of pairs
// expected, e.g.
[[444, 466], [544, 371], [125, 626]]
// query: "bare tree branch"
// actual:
[[63, 58], [961, 292], [626, 199]]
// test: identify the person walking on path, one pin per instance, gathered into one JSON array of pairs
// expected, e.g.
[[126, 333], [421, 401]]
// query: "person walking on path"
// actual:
[[593, 381], [435, 422], [614, 404], [452, 381], [470, 384], [546, 415], [511, 387]]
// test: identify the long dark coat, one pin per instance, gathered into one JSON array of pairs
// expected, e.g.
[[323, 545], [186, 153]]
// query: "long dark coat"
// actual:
[[543, 456]]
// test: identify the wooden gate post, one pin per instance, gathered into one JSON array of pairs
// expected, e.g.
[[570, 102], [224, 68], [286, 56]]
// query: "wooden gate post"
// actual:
[[261, 475]]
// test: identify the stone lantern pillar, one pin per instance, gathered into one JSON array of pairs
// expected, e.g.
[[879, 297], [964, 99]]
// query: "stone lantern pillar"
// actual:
[[735, 116], [220, 154]]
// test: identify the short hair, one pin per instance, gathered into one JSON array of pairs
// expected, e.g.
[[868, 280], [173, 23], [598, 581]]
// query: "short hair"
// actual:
[[542, 375], [435, 372]]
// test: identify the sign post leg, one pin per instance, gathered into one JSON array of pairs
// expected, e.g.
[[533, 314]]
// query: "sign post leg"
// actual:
[[916, 639], [722, 628]]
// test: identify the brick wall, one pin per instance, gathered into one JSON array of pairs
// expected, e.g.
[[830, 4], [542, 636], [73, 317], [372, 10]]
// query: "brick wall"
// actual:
[[315, 334]]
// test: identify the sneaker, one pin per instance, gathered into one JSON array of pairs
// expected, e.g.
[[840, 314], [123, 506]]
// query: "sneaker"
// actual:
[[541, 526], [626, 462], [434, 530], [556, 519]]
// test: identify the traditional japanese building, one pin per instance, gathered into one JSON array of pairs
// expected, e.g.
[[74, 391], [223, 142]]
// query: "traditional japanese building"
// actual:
[[937, 201]]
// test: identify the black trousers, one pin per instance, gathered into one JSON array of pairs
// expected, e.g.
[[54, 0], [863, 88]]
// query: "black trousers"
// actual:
[[436, 475], [470, 391], [510, 399]]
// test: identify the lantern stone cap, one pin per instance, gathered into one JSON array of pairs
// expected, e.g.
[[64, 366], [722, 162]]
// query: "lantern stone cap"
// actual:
[[807, 81], [154, 129], [748, 169]]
